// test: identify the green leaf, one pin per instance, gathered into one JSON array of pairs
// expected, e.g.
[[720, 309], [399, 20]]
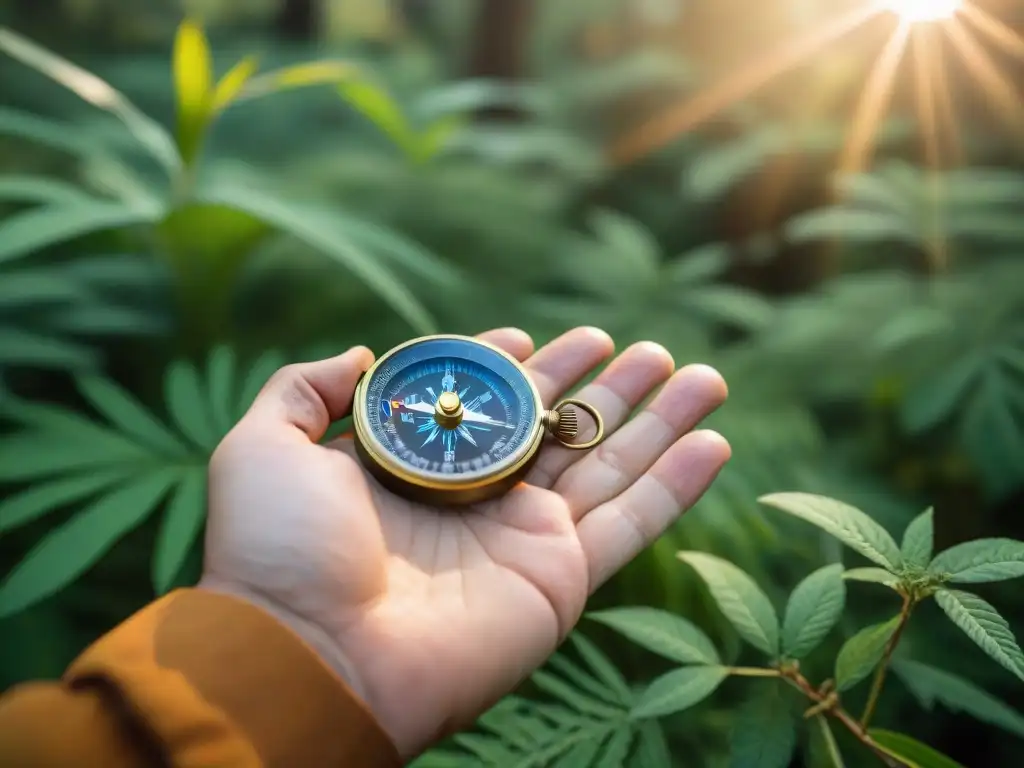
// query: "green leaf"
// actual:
[[813, 610], [848, 524], [146, 131], [231, 84], [652, 750], [38, 189], [193, 86], [661, 632], [911, 751], [63, 137], [828, 741], [981, 560], [188, 405], [41, 499], [319, 231], [876, 575], [851, 225], [678, 690], [302, 75], [182, 521], [919, 538], [39, 228], [38, 454], [632, 244], [257, 376], [605, 671], [71, 549], [617, 749], [220, 378], [375, 104], [127, 415], [929, 685], [981, 622], [764, 729], [861, 653], [744, 604], [27, 348]]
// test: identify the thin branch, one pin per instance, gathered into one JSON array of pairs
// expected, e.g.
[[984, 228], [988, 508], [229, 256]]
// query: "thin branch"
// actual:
[[754, 672], [879, 682]]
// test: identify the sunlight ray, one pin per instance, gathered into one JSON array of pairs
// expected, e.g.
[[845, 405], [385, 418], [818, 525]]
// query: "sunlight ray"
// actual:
[[660, 131], [996, 31], [873, 102], [1002, 91]]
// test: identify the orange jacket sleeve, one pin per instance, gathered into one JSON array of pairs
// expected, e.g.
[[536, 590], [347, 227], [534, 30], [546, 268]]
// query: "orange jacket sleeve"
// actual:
[[194, 679]]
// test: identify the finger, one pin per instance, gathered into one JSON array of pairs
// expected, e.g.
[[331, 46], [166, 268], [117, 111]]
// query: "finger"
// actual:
[[619, 530], [309, 396], [615, 393], [512, 340], [690, 395], [561, 364]]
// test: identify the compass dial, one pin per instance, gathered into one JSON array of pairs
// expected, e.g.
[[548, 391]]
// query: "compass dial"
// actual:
[[451, 408]]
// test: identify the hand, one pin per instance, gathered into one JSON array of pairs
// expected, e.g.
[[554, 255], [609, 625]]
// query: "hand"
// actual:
[[433, 615]]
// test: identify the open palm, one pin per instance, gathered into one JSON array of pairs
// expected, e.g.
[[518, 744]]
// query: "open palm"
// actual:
[[433, 614]]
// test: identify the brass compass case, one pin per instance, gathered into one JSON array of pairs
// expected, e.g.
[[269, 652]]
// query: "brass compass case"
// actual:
[[405, 480]]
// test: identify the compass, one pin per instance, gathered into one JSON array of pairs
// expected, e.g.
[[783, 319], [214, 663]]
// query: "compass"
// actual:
[[450, 420]]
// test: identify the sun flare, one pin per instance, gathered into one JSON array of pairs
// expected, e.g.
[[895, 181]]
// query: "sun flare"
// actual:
[[923, 10]]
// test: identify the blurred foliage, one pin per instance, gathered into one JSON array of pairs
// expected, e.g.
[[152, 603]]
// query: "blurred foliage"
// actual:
[[180, 214]]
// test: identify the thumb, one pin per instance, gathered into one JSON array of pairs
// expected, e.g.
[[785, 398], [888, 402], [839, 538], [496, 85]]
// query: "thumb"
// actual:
[[309, 396]]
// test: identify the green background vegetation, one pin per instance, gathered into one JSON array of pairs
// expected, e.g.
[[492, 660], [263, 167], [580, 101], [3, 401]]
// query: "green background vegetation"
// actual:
[[335, 173]]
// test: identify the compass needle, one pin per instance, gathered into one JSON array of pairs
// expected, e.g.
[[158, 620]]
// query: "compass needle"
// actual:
[[425, 383]]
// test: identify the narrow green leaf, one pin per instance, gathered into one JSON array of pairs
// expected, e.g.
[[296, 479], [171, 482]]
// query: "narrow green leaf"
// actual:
[[861, 653], [585, 682], [28, 348], [579, 701], [95, 91], [652, 749], [375, 104], [193, 86], [35, 455], [848, 524], [813, 610], [981, 622], [43, 498], [764, 729], [929, 685], [876, 575], [188, 406], [744, 604], [602, 667], [631, 242], [258, 374], [919, 538], [231, 84], [68, 551], [39, 189], [851, 225], [829, 741], [182, 521], [616, 750], [125, 412], [47, 226], [678, 690], [220, 379], [981, 560], [661, 632], [303, 75], [911, 751], [49, 133]]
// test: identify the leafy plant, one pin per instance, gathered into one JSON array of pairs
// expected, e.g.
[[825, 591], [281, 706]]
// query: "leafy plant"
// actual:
[[767, 730]]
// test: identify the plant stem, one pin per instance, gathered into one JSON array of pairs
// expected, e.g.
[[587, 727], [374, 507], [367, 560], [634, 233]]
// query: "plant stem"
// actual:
[[754, 672], [879, 682]]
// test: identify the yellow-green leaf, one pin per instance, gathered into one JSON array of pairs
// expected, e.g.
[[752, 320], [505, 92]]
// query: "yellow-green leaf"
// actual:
[[911, 751], [193, 86], [862, 652], [300, 76], [232, 83]]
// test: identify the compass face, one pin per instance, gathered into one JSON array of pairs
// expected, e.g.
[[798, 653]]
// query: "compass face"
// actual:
[[498, 418]]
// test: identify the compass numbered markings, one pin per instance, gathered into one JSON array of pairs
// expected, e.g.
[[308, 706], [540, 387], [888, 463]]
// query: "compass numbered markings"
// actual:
[[490, 428]]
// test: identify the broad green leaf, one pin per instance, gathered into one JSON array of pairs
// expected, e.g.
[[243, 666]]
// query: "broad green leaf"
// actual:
[[911, 751], [744, 604], [95, 91], [848, 524], [697, 267], [39, 228], [981, 622], [678, 690], [662, 632], [851, 225], [376, 105], [189, 406], [124, 412], [602, 667], [193, 86], [68, 551], [231, 84], [317, 230], [981, 560], [929, 685], [918, 540], [220, 378], [182, 521], [813, 610], [876, 575], [764, 729], [861, 653], [43, 498]]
